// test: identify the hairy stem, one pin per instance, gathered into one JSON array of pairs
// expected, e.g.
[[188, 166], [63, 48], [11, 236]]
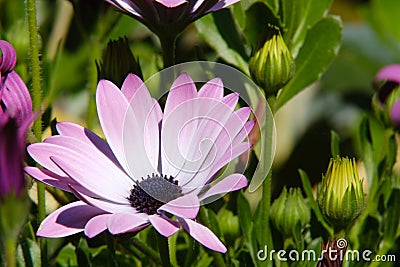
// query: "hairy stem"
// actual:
[[36, 105]]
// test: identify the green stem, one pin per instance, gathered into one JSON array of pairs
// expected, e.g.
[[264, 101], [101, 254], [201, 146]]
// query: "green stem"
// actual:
[[265, 213], [339, 233], [163, 249], [190, 252], [10, 247], [35, 65], [110, 240], [172, 249], [142, 247], [168, 43], [36, 105]]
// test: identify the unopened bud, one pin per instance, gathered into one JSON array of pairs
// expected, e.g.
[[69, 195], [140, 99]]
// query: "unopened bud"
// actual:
[[341, 196], [272, 64], [118, 61], [289, 211]]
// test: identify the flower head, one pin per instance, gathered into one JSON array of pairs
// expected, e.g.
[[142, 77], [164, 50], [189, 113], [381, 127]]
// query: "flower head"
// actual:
[[155, 165], [15, 118], [168, 15], [341, 197]]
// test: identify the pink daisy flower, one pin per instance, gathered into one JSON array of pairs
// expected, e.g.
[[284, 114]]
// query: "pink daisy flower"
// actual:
[[156, 167]]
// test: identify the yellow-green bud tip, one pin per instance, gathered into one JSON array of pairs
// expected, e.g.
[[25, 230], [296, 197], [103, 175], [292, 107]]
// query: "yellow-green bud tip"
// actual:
[[272, 64], [341, 196]]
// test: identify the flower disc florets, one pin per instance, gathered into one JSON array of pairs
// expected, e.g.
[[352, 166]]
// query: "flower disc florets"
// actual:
[[151, 193]]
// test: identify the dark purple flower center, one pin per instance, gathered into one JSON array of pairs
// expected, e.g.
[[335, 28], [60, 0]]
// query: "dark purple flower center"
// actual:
[[151, 193]]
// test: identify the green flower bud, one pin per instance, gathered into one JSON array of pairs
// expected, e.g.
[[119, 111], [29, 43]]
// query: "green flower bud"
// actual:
[[118, 61], [341, 196], [290, 212], [272, 64]]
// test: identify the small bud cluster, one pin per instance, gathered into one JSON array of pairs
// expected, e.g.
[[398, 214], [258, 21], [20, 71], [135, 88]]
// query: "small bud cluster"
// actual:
[[290, 212]]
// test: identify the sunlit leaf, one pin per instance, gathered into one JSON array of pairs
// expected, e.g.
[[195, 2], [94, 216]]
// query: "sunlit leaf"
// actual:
[[320, 48], [209, 32], [28, 253], [312, 202], [298, 16]]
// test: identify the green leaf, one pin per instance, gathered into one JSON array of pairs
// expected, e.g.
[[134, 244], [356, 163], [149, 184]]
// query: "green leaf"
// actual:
[[247, 225], [392, 217], [244, 213], [293, 12], [226, 25], [335, 141], [375, 145], [83, 253], [67, 257], [214, 223], [384, 16], [209, 32], [28, 254], [272, 4], [239, 15], [314, 245], [204, 261], [391, 151], [298, 16], [258, 16], [366, 150], [319, 49], [312, 202]]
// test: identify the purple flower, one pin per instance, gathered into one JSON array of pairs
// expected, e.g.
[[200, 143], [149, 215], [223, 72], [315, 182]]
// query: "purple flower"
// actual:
[[15, 118], [395, 113], [168, 15], [156, 165], [386, 80], [389, 73]]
